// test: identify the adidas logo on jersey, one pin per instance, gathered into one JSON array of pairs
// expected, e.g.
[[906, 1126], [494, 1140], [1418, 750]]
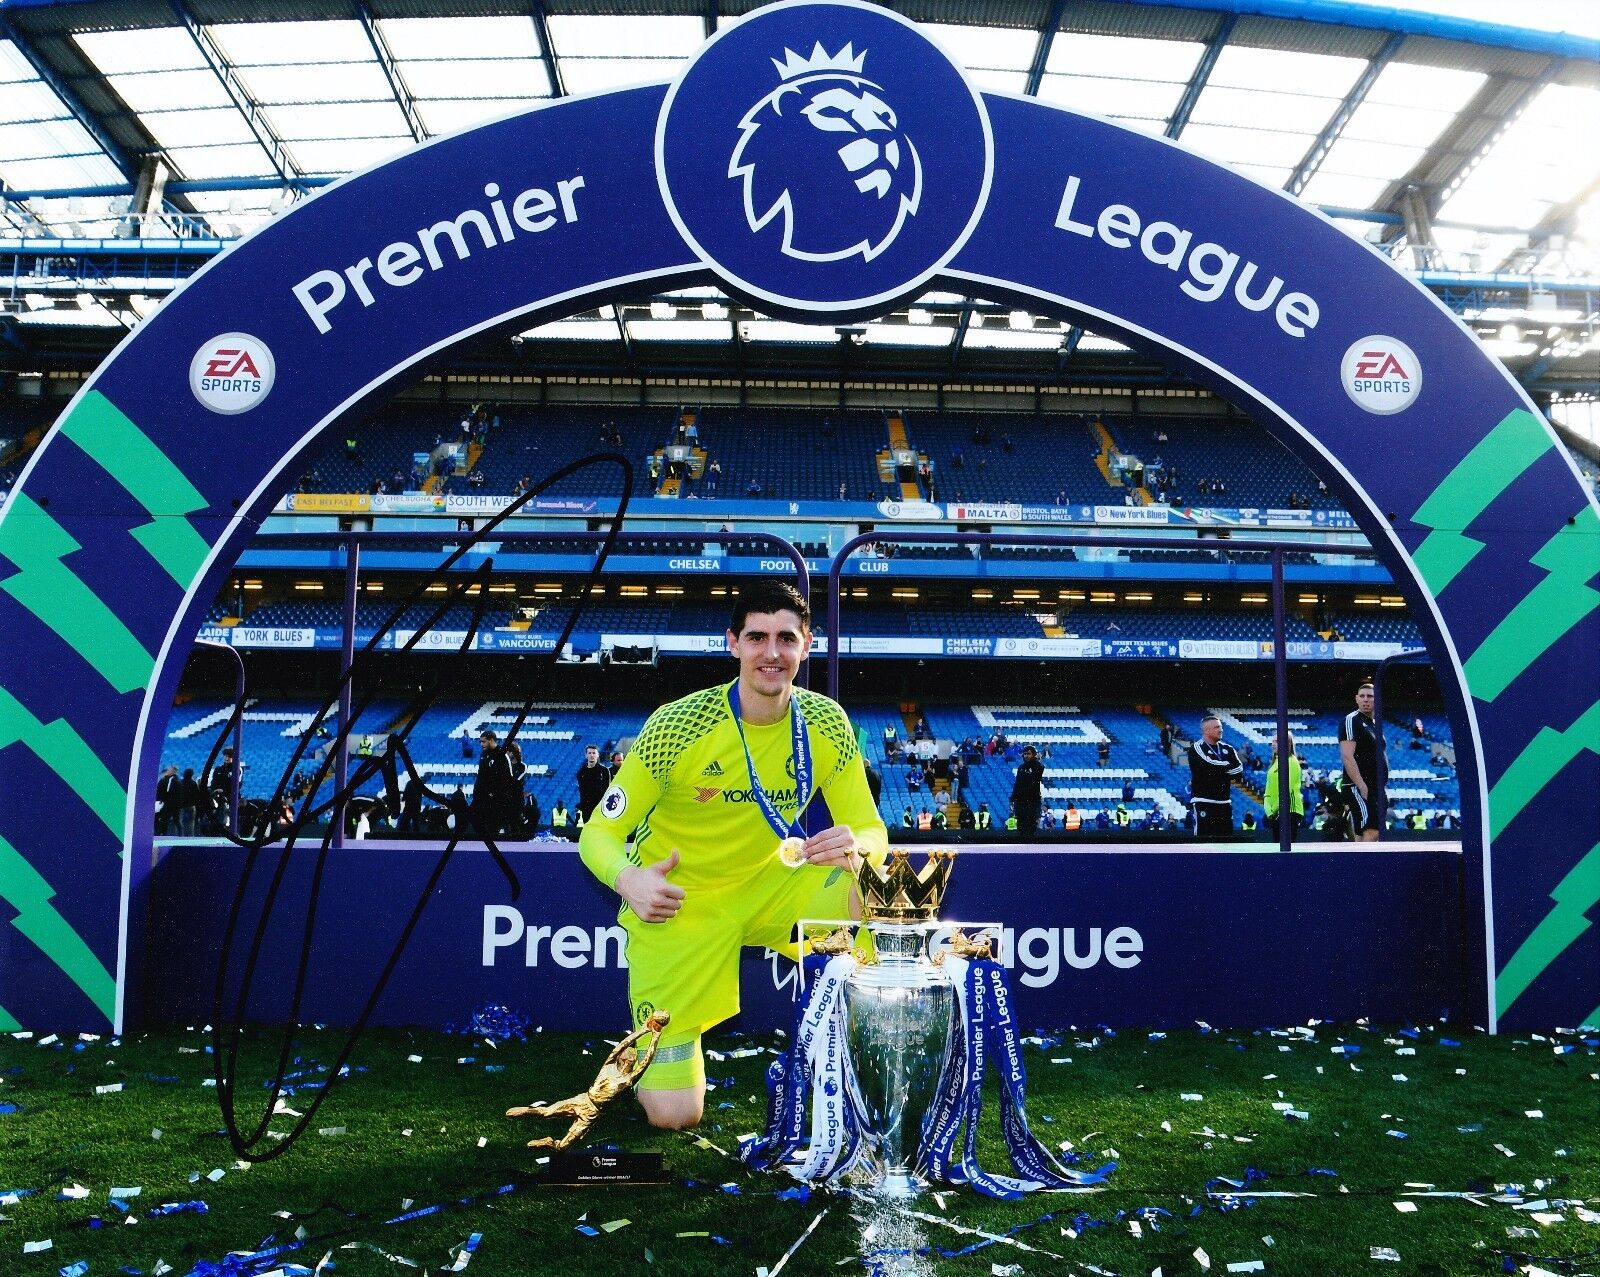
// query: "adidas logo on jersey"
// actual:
[[715, 769]]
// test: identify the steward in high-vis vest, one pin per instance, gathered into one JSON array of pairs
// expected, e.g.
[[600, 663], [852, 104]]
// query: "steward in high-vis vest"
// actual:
[[1072, 819], [1121, 817], [983, 816], [559, 816]]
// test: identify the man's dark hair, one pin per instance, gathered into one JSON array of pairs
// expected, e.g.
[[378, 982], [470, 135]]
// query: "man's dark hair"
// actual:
[[486, 735], [1030, 749], [765, 597], [594, 747]]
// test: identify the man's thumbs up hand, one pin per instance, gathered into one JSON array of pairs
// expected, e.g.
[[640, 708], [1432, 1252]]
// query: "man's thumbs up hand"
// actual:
[[648, 892]]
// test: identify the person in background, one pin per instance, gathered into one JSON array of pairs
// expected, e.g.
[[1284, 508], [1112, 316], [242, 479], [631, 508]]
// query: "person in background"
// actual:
[[516, 790], [1213, 767], [188, 803], [593, 777], [1360, 743], [1269, 798], [166, 799], [1025, 790], [491, 788], [874, 779]]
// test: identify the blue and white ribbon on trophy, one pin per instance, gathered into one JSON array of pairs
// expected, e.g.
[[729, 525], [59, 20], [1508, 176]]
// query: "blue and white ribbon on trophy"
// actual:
[[984, 1029], [988, 1030], [815, 1063]]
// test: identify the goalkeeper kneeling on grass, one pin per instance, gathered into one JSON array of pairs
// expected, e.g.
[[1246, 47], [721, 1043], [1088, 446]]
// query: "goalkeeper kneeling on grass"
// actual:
[[748, 808]]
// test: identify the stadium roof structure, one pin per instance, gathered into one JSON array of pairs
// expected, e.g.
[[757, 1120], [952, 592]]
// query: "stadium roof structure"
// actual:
[[138, 137]]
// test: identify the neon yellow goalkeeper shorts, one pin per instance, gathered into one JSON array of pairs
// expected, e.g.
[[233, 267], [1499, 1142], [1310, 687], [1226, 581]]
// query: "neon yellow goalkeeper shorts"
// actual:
[[689, 965]]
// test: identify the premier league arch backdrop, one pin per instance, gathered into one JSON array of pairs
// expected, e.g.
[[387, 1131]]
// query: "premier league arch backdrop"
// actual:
[[827, 162]]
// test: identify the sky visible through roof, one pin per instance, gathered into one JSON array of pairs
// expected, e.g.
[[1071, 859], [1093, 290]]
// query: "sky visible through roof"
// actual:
[[317, 99]]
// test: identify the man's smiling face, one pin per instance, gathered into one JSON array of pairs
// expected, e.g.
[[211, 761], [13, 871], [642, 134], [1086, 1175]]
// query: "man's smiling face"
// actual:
[[769, 649]]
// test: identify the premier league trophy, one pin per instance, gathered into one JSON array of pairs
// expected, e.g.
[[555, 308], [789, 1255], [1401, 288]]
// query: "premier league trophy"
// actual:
[[889, 1052], [898, 1011]]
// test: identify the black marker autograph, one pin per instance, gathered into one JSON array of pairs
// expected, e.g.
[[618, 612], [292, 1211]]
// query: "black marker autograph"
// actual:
[[228, 1022]]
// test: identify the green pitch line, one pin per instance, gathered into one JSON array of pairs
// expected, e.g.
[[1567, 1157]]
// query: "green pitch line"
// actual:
[[1467, 491], [1548, 611], [130, 457], [68, 755], [25, 891], [36, 544], [1574, 895], [1538, 764]]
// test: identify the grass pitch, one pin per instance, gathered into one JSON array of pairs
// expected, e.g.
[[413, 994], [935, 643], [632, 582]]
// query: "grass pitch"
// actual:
[[1375, 1119]]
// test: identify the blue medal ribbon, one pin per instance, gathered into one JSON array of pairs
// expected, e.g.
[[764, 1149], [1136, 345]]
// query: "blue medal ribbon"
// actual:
[[802, 767]]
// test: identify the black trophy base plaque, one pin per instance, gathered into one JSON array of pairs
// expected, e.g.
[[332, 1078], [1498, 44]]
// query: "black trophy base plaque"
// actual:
[[573, 1168]]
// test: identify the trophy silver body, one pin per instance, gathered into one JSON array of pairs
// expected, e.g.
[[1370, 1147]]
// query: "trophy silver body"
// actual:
[[897, 1032]]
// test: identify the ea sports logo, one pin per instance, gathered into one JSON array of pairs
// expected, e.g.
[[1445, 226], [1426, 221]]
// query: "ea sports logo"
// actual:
[[1381, 374], [232, 373], [823, 157]]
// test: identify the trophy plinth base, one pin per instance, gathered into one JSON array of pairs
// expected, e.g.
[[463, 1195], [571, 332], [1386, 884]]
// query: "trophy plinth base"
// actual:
[[900, 1186], [573, 1168]]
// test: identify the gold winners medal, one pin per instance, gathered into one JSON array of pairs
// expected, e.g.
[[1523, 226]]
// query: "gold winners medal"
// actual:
[[792, 852]]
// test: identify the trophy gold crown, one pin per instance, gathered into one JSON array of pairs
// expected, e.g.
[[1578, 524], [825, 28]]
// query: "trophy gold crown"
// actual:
[[898, 893]]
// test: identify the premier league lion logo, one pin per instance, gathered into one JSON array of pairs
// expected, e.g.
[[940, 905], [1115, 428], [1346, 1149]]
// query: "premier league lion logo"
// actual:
[[824, 153]]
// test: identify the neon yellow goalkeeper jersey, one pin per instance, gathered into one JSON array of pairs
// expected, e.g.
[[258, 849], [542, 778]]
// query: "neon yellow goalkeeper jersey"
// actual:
[[685, 786]]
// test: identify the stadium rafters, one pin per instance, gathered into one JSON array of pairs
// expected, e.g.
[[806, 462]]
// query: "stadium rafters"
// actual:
[[139, 137]]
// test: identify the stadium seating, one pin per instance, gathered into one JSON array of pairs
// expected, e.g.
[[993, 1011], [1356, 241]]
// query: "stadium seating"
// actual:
[[1049, 457], [1256, 470], [271, 732], [658, 614], [1377, 627], [786, 451], [443, 743], [807, 453], [1105, 621]]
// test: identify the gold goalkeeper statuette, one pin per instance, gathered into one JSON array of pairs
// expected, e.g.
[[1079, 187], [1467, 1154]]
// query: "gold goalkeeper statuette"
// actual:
[[622, 1069]]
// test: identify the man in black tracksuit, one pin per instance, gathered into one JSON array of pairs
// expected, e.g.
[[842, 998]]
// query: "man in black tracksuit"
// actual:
[[1213, 767], [594, 777], [167, 800], [491, 788], [1360, 743], [1025, 791]]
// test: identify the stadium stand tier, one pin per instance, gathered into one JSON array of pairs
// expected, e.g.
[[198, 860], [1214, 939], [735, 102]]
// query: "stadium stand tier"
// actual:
[[813, 454], [1095, 756]]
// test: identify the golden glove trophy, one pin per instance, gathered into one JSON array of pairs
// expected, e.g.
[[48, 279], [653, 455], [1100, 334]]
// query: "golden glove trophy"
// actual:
[[621, 1071]]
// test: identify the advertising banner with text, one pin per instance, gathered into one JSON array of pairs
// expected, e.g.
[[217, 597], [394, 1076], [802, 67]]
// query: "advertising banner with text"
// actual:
[[1162, 937]]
